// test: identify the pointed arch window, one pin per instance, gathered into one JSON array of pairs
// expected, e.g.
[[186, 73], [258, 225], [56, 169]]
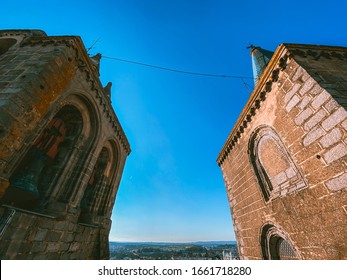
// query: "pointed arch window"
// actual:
[[276, 172]]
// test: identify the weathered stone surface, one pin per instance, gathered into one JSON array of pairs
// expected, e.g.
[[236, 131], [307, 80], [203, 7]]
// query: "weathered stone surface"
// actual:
[[304, 102], [335, 153], [313, 135], [298, 74], [53, 236], [344, 125], [319, 100], [291, 93], [53, 247], [338, 116], [295, 100], [266, 198], [331, 138], [49, 88], [331, 105], [307, 86], [304, 115], [337, 183], [40, 235], [315, 119], [38, 247]]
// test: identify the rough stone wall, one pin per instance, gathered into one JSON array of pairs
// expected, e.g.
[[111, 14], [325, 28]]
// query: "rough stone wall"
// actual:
[[31, 236], [29, 85], [303, 99], [40, 77]]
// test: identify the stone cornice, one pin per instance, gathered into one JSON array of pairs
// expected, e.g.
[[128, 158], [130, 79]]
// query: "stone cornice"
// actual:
[[22, 32], [277, 63], [86, 66]]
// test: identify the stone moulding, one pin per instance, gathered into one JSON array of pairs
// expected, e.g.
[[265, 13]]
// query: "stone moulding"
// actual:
[[270, 231], [85, 66], [23, 32], [278, 63], [287, 180]]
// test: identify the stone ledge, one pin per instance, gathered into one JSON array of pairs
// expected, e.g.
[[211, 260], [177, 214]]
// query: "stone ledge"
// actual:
[[29, 212], [89, 225]]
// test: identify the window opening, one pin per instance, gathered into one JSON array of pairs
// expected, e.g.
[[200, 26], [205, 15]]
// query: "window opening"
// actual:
[[34, 176], [275, 245], [94, 187]]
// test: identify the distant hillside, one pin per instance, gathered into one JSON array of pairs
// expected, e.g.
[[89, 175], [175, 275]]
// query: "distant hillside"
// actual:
[[201, 243], [199, 250], [214, 242]]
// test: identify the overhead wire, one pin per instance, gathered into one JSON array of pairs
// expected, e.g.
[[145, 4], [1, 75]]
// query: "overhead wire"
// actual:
[[176, 70], [248, 87], [92, 46]]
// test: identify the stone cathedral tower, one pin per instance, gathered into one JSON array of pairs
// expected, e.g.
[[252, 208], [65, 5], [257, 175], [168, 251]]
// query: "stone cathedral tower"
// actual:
[[62, 149], [285, 161]]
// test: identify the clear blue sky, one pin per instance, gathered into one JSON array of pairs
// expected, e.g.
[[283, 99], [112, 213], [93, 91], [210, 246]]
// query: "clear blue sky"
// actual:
[[172, 189]]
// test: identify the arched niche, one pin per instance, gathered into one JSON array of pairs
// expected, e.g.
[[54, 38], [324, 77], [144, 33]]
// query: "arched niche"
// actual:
[[107, 191], [94, 185], [73, 173], [98, 192], [276, 172], [275, 245], [33, 177]]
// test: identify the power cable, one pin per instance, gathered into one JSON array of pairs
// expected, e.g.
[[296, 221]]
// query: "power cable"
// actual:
[[176, 70], [92, 46], [247, 86]]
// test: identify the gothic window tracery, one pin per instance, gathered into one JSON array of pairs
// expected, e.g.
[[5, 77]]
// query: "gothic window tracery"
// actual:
[[273, 166]]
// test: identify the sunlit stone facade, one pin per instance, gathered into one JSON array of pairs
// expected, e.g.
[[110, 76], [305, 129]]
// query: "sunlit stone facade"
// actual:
[[285, 161], [62, 149]]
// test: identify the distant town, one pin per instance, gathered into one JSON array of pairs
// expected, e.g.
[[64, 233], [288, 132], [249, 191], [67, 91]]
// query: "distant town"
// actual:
[[214, 250]]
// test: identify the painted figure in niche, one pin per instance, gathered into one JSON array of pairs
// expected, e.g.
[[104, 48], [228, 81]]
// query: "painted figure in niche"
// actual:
[[24, 183], [95, 181]]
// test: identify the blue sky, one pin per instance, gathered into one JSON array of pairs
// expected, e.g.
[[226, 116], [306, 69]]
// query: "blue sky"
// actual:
[[172, 188]]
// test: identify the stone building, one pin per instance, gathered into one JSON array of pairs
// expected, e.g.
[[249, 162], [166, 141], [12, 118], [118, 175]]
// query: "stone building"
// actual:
[[62, 149], [285, 161]]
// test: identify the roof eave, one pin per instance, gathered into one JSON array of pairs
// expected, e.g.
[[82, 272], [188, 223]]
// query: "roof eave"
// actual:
[[255, 97]]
